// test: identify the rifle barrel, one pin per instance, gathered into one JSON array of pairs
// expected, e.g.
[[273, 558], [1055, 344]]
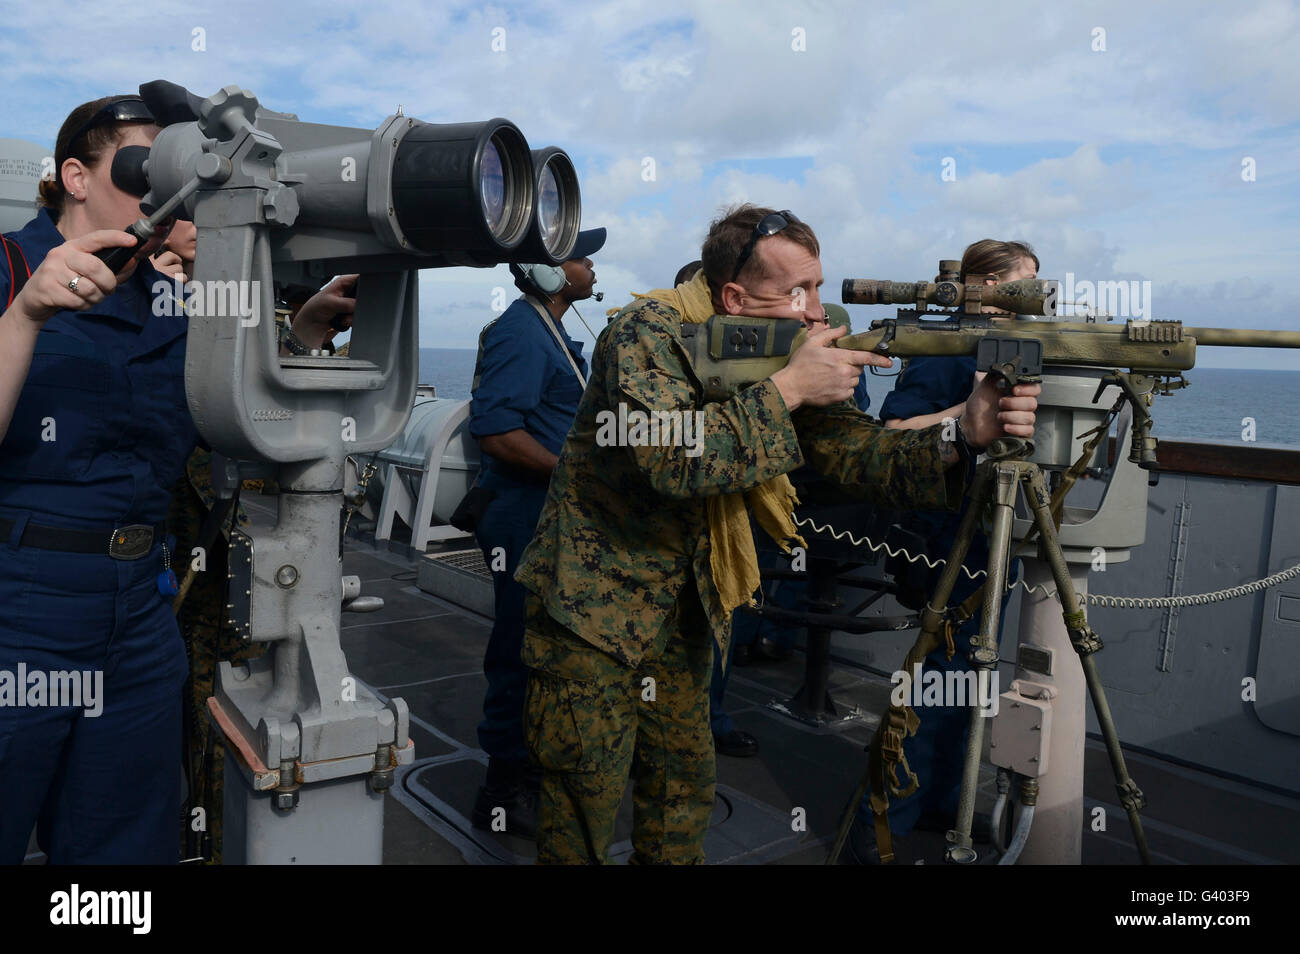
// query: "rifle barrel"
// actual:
[[1244, 338]]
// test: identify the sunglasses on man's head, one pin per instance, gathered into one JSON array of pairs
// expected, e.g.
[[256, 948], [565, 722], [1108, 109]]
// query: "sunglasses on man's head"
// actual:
[[129, 110], [769, 224]]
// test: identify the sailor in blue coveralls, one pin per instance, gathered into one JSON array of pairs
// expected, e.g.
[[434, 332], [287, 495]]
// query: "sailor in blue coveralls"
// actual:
[[927, 392], [94, 431], [528, 380], [98, 434]]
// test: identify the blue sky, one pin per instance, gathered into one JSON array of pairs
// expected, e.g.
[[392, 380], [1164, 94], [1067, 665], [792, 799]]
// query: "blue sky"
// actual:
[[1115, 163]]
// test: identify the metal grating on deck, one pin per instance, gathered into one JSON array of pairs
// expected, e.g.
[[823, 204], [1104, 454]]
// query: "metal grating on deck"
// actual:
[[458, 576], [469, 560]]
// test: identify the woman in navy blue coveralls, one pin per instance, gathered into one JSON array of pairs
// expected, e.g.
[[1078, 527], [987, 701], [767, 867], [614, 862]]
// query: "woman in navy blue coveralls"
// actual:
[[928, 391], [95, 431]]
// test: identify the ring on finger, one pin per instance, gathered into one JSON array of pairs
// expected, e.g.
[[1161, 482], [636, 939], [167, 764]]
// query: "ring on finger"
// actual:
[[73, 283]]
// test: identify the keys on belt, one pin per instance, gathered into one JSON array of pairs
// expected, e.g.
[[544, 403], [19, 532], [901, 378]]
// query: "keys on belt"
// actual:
[[127, 542]]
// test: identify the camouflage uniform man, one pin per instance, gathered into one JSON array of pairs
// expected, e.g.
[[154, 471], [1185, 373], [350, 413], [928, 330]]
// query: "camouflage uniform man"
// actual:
[[642, 552]]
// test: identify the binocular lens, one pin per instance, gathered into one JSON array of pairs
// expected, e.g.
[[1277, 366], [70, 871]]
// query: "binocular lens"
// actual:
[[554, 228], [549, 200], [463, 187], [492, 187]]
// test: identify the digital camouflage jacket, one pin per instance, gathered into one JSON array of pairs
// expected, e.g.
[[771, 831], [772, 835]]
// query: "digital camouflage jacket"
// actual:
[[623, 525]]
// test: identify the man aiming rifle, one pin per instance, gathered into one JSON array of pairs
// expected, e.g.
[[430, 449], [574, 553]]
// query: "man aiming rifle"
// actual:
[[643, 550]]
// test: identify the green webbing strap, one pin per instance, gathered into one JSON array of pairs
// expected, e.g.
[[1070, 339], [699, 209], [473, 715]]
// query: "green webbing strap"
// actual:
[[885, 753]]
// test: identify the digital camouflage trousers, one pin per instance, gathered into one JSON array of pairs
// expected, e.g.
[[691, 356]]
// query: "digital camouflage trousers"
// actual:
[[592, 722]]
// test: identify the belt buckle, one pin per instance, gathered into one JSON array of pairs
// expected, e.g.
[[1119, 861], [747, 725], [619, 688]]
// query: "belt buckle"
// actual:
[[131, 542]]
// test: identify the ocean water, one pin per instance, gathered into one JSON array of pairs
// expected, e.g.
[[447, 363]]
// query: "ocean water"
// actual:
[[1213, 408]]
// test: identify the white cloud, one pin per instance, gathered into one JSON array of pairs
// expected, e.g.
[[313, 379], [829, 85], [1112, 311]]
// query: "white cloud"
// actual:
[[1123, 161]]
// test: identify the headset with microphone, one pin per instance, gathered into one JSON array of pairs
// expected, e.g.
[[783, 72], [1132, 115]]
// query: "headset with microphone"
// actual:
[[547, 279], [550, 279]]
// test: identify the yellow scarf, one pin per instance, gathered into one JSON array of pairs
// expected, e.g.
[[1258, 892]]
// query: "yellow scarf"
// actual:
[[732, 558]]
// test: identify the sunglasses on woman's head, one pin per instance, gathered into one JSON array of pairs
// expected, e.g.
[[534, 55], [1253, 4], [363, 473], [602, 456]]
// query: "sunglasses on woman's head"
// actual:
[[129, 110]]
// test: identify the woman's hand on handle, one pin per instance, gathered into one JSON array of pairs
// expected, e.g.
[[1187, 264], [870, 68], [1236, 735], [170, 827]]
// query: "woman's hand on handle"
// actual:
[[70, 277]]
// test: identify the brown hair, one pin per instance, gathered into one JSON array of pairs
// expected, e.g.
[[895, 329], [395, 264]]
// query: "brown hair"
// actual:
[[88, 147], [687, 272], [731, 232], [991, 257]]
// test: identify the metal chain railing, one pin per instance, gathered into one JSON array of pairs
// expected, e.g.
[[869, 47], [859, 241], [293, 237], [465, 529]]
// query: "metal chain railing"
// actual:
[[1193, 599]]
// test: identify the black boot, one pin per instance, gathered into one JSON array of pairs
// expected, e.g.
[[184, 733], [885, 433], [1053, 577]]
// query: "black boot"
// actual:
[[505, 802]]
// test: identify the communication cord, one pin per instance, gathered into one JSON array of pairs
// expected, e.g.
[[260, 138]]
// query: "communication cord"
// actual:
[[1095, 599]]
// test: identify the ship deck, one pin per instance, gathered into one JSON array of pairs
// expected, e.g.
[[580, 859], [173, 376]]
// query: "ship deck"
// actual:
[[429, 652]]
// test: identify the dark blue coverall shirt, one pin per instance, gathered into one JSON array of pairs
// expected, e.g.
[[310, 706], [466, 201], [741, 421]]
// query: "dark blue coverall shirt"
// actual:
[[936, 752], [100, 433], [523, 382]]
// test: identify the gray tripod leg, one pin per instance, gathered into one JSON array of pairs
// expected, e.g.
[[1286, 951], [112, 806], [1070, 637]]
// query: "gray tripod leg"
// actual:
[[1085, 643], [984, 655]]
